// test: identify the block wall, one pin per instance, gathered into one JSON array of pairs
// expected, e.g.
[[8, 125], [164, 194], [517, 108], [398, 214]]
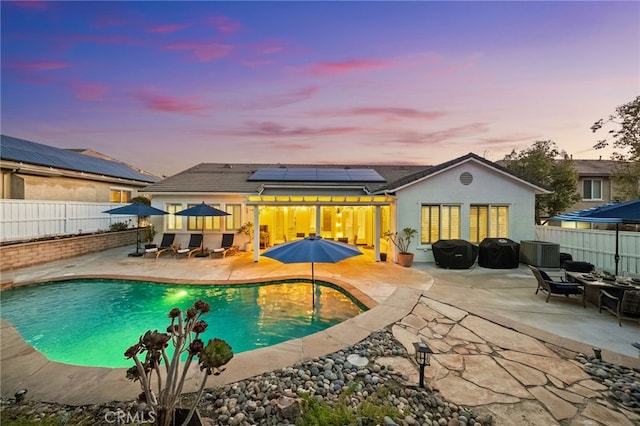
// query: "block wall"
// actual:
[[33, 253]]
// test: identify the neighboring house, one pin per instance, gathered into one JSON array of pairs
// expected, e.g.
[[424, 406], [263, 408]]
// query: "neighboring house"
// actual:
[[32, 171], [594, 183], [467, 198]]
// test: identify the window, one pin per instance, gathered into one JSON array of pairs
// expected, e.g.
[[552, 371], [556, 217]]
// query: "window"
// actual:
[[119, 195], [174, 223], [233, 221], [592, 189], [211, 223], [439, 222], [486, 221]]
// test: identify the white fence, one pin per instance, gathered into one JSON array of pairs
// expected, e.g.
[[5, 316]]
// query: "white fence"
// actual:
[[22, 220], [596, 246]]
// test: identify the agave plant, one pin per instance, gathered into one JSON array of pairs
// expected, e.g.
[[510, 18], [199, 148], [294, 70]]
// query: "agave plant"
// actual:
[[151, 351]]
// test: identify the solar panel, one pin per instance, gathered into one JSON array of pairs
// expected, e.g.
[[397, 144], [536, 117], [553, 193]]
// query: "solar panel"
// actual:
[[268, 174], [364, 175], [34, 153], [315, 174]]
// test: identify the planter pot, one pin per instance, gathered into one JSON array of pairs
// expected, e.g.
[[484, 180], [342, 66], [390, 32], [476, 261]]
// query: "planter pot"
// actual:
[[383, 257], [405, 259], [248, 246]]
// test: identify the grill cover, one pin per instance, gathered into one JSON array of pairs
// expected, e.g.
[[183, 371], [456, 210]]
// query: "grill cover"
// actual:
[[499, 253], [454, 254]]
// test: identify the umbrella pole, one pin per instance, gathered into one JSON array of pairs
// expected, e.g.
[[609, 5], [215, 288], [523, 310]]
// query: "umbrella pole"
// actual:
[[617, 256], [137, 253], [313, 287], [202, 243]]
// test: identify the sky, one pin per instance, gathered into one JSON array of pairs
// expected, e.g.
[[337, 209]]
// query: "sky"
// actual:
[[166, 85]]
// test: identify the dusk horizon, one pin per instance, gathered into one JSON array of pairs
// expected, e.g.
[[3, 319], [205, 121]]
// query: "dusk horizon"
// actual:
[[164, 86]]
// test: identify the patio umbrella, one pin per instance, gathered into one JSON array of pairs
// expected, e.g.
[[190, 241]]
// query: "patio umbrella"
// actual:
[[627, 212], [201, 210], [313, 250], [140, 210]]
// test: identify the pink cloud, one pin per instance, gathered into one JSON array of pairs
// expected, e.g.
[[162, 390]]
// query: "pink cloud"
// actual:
[[289, 147], [167, 28], [40, 65], [269, 47], [203, 51], [89, 91], [173, 104], [109, 21], [270, 129], [224, 24], [449, 136], [285, 99], [454, 69], [34, 5], [397, 112], [94, 38], [324, 69]]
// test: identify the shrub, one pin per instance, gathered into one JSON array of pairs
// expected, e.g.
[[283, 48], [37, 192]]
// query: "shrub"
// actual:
[[119, 226]]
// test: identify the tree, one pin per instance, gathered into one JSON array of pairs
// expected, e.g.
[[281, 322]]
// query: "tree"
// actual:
[[624, 137], [141, 199], [544, 164]]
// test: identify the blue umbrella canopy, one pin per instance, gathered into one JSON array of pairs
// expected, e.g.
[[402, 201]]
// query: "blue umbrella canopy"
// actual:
[[312, 250], [136, 209], [616, 212], [201, 210], [627, 212], [140, 210]]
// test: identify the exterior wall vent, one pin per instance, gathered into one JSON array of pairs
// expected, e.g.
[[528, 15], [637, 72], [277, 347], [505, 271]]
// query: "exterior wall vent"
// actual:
[[466, 178]]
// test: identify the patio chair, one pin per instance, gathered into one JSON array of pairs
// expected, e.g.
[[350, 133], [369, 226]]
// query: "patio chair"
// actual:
[[556, 288], [166, 245], [623, 303], [226, 246], [195, 246]]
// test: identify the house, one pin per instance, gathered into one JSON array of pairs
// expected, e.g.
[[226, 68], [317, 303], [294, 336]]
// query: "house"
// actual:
[[594, 183], [32, 171], [466, 198]]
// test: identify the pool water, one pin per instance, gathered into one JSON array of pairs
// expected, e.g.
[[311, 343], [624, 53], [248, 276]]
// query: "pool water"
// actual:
[[93, 322]]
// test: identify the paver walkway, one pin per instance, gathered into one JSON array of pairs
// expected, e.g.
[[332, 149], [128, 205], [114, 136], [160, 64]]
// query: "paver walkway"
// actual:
[[517, 379]]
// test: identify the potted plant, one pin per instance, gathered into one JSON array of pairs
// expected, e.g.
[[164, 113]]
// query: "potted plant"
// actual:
[[247, 229], [184, 334], [402, 241]]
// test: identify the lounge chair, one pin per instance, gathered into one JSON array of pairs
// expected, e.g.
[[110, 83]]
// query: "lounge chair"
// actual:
[[195, 246], [623, 303], [226, 246], [557, 288], [166, 245]]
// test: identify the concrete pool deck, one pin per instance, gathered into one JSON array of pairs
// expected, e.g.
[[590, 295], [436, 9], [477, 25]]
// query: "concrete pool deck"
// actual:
[[480, 322]]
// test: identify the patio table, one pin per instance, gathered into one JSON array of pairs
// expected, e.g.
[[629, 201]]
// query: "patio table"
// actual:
[[593, 284]]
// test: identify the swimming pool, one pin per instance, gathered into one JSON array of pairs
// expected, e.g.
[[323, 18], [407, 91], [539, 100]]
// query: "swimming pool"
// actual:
[[92, 322]]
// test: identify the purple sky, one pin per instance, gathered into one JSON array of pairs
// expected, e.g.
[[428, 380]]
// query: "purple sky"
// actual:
[[167, 85]]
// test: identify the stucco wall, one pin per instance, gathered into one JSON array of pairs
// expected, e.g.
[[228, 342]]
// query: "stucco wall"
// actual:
[[59, 188], [211, 238], [26, 254], [488, 187]]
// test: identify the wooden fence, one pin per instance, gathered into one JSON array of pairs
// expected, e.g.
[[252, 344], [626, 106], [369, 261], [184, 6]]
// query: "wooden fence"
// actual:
[[596, 246]]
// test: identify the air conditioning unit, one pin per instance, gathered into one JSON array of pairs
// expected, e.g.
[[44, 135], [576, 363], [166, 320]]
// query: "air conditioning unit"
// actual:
[[540, 253]]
